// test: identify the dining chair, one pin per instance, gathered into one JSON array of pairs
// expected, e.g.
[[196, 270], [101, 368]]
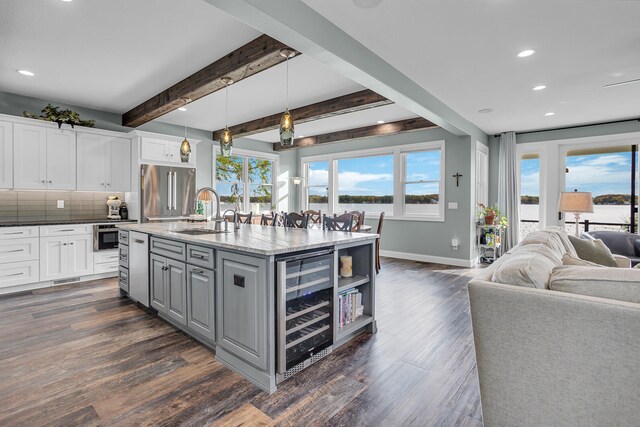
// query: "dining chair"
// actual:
[[244, 218], [296, 220], [358, 219], [272, 219], [379, 232], [315, 217], [339, 223]]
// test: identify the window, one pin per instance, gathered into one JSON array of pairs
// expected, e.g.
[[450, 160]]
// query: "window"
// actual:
[[529, 193], [422, 183], [246, 173], [405, 182], [317, 186], [366, 184]]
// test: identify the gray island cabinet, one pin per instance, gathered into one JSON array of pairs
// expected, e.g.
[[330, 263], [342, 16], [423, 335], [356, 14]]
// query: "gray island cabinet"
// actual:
[[268, 300]]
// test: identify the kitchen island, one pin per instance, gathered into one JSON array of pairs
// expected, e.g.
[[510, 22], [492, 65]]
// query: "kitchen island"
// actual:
[[268, 300]]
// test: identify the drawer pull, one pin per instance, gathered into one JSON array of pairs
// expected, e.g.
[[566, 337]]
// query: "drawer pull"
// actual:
[[15, 274], [13, 250], [198, 256], [138, 241], [68, 230], [198, 271], [15, 232]]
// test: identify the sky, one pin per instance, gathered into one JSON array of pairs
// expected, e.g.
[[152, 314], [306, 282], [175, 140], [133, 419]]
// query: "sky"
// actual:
[[374, 175], [599, 173]]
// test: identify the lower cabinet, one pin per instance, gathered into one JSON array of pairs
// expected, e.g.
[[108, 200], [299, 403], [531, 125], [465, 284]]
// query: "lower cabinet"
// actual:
[[201, 301], [169, 288], [66, 256], [242, 303]]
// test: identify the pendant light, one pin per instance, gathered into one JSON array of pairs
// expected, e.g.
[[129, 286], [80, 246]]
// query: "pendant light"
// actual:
[[226, 140], [286, 122], [185, 147]]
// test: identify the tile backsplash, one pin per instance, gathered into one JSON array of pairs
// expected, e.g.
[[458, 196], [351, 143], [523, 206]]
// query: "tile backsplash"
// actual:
[[16, 205]]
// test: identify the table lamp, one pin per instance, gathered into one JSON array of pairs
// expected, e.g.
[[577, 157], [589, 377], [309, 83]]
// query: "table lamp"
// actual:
[[576, 202]]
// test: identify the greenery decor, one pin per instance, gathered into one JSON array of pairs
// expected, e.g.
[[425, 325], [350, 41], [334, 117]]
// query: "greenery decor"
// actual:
[[51, 113], [492, 215]]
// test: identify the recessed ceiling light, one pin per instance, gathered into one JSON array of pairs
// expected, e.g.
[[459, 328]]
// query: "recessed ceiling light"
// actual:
[[367, 4], [550, 113], [67, 1], [380, 122], [526, 53], [485, 110], [26, 73], [300, 136], [182, 108], [539, 87]]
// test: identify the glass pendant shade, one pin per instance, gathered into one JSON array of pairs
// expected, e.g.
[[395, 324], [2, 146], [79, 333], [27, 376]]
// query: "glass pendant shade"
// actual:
[[185, 151], [226, 142], [286, 129]]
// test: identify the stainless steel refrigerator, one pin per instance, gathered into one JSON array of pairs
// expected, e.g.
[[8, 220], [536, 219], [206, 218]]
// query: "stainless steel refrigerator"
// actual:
[[167, 193]]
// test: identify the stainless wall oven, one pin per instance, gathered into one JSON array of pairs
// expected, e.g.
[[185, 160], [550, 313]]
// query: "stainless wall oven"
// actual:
[[105, 237], [304, 310]]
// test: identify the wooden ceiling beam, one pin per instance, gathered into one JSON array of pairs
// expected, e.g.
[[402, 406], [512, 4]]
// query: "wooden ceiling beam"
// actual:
[[391, 128], [252, 58], [357, 101]]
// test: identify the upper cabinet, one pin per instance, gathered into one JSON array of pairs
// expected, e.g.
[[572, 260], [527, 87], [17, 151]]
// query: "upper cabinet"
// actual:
[[104, 163], [6, 151], [157, 150], [43, 158]]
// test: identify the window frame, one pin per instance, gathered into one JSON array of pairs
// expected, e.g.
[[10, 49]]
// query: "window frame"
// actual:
[[399, 153], [246, 184]]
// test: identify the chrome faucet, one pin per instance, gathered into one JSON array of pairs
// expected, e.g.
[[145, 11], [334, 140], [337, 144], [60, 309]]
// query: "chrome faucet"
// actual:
[[218, 219], [236, 220]]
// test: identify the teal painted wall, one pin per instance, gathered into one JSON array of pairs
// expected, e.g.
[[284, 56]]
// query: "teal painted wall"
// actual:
[[422, 237]]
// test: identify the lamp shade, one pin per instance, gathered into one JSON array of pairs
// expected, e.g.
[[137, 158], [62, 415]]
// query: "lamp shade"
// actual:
[[576, 202]]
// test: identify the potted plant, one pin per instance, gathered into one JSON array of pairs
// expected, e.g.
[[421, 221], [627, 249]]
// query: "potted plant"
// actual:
[[490, 214]]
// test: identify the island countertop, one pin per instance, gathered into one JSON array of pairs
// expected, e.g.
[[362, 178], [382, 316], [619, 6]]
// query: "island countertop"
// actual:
[[258, 239]]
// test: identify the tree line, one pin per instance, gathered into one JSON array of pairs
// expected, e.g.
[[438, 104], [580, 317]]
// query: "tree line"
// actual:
[[605, 199], [417, 199]]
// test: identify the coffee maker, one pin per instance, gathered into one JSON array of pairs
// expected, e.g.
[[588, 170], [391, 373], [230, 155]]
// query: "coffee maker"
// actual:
[[114, 207]]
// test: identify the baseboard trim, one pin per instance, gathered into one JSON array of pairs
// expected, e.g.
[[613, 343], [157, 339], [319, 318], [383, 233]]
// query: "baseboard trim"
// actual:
[[456, 262], [50, 283]]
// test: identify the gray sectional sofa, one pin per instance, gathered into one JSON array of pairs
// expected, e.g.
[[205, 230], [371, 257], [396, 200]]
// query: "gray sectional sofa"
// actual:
[[557, 344]]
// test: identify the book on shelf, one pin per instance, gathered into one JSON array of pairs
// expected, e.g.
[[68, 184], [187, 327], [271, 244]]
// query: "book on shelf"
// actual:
[[349, 306]]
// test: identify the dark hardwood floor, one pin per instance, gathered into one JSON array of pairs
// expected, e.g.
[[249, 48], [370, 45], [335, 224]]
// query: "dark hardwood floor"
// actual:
[[82, 355]]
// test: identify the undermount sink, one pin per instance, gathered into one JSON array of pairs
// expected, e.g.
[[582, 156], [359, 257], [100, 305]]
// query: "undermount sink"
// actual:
[[197, 231]]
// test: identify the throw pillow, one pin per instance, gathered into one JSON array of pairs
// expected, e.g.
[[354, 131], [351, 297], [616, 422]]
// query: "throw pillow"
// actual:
[[622, 284], [594, 251], [568, 259]]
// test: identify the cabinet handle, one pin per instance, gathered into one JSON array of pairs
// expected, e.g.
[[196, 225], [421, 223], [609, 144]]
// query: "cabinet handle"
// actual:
[[102, 183], [66, 231], [15, 232], [197, 271], [71, 243], [108, 185], [13, 250], [15, 274], [43, 181], [138, 241], [64, 244], [197, 256], [50, 182]]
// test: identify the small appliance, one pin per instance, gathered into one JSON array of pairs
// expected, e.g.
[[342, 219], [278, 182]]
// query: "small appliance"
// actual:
[[114, 207], [105, 237]]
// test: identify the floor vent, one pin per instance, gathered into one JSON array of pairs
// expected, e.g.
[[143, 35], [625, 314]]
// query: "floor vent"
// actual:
[[70, 280]]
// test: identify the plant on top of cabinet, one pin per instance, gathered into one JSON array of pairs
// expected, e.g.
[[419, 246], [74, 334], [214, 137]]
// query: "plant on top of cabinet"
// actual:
[[52, 113]]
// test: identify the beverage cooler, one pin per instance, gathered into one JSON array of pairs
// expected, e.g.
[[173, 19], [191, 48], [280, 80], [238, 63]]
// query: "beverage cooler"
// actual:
[[304, 310]]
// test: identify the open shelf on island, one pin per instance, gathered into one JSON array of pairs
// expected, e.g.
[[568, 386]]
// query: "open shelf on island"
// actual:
[[360, 322], [345, 283]]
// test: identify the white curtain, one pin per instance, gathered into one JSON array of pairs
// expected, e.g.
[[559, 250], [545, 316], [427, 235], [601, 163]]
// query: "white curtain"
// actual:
[[508, 197]]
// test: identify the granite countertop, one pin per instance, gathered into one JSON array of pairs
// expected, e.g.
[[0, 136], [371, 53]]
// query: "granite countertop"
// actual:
[[258, 239], [26, 223]]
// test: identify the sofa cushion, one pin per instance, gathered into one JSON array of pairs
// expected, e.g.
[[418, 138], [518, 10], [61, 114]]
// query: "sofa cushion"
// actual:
[[550, 239], [540, 248], [564, 238], [568, 259], [594, 251], [622, 284], [526, 268]]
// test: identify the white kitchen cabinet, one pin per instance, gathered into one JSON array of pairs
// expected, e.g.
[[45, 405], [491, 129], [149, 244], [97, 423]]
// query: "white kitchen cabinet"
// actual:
[[18, 273], [14, 250], [29, 157], [61, 159], [66, 256], [6, 154], [43, 158], [118, 165], [104, 163], [160, 150]]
